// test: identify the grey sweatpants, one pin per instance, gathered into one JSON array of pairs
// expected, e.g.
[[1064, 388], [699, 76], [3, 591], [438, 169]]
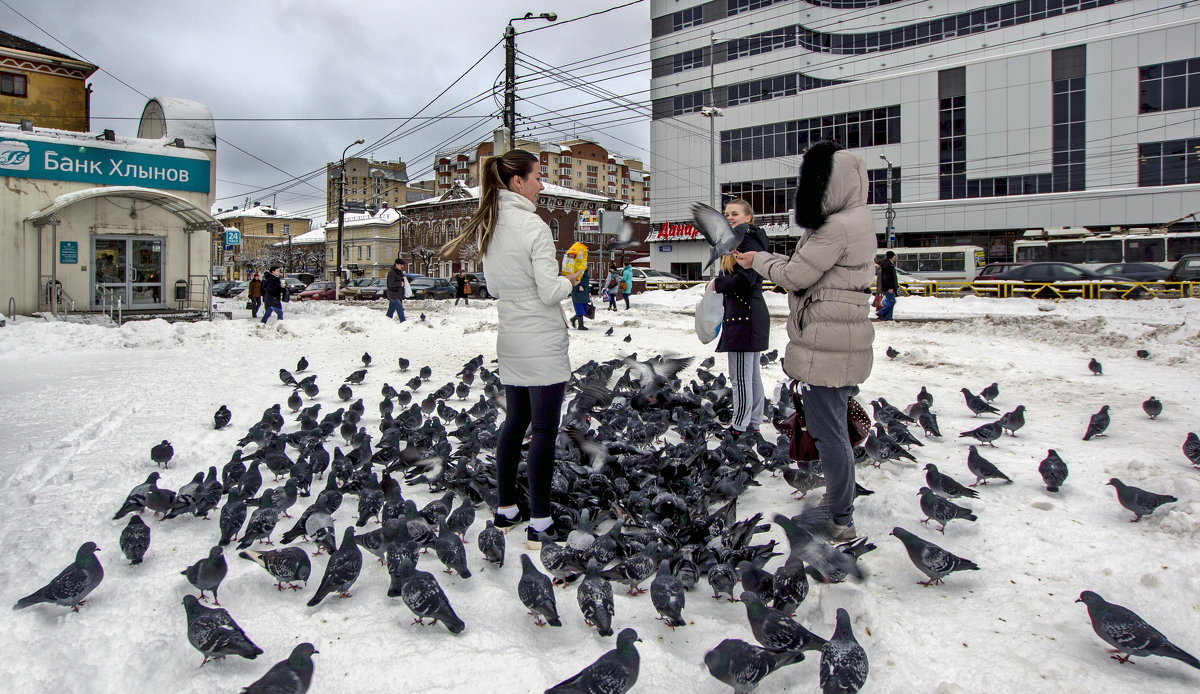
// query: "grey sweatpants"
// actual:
[[745, 379], [825, 413]]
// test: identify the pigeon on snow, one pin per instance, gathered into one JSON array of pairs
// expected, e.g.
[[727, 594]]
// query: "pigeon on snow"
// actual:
[[208, 573], [72, 584], [537, 594], [615, 672], [933, 561], [1139, 501], [844, 664], [1053, 471], [1098, 424], [742, 666], [1128, 633], [342, 570], [135, 540], [289, 565], [291, 676], [214, 633]]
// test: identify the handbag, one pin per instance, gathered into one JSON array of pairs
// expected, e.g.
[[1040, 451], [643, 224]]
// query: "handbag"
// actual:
[[467, 288], [623, 287], [591, 311], [287, 295], [877, 302], [802, 447], [250, 304]]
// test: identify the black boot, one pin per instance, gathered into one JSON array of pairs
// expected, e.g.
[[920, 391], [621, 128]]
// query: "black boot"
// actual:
[[573, 319], [581, 325]]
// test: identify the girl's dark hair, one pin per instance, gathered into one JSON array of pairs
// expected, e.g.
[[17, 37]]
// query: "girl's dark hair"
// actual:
[[494, 176], [815, 172]]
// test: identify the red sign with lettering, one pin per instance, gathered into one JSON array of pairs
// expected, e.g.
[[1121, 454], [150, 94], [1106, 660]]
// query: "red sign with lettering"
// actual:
[[675, 232]]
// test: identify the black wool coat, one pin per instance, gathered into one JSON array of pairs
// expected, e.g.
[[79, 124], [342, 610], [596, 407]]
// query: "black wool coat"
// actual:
[[746, 326], [272, 291]]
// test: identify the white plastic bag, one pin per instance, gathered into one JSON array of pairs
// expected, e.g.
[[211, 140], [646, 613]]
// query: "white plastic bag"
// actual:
[[709, 314]]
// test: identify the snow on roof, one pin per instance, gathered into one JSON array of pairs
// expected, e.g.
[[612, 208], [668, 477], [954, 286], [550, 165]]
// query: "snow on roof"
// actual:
[[255, 211], [637, 176], [171, 117], [637, 211], [316, 236], [385, 217], [389, 174], [547, 188], [156, 146]]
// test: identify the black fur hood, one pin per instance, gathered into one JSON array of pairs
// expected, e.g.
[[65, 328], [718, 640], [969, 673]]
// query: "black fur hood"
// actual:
[[832, 180]]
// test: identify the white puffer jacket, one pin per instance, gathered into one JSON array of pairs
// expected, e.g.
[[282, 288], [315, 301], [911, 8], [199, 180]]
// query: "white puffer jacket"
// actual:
[[523, 274]]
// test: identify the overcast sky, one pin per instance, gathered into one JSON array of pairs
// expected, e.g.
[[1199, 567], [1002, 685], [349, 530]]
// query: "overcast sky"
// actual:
[[291, 59]]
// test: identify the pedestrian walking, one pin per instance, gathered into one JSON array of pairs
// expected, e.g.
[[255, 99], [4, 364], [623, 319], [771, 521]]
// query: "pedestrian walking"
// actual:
[[626, 283], [531, 343], [272, 288], [462, 288], [829, 333], [582, 300], [254, 293], [746, 326], [397, 289], [887, 286], [612, 284]]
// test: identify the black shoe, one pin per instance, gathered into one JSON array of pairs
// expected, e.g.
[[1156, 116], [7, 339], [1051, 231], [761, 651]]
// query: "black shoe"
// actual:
[[504, 523], [533, 538]]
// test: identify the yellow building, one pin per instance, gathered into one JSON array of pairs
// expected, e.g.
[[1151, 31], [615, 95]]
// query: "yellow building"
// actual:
[[370, 244], [43, 86], [262, 227]]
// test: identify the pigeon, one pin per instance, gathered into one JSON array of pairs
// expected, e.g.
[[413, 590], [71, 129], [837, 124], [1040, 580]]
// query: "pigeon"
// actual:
[[208, 573], [982, 468], [291, 676], [491, 544], [891, 353], [214, 633], [1095, 367], [162, 453], [933, 561], [537, 594], [808, 537], [342, 570], [262, 523], [985, 433], [136, 499], [301, 365], [990, 393], [233, 514], [450, 551], [1191, 448], [357, 377], [775, 630], [844, 664], [345, 392], [666, 593], [1139, 501], [402, 363], [609, 332], [946, 485], [1152, 407], [73, 584], [615, 672], [942, 510], [976, 404], [715, 229], [929, 424], [426, 372], [1098, 424], [722, 578], [633, 570], [757, 581], [627, 338], [1011, 421], [366, 358], [221, 417], [1143, 354], [742, 666], [287, 378], [1053, 471], [135, 540], [1128, 633], [791, 585], [288, 565], [560, 561], [422, 594], [595, 599]]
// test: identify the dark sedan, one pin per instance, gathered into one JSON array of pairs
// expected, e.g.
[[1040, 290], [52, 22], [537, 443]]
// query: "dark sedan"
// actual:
[[431, 288], [375, 289], [1142, 272], [1065, 276]]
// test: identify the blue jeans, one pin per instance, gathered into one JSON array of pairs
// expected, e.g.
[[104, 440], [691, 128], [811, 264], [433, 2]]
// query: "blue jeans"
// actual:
[[395, 306], [825, 416], [541, 407], [267, 313], [889, 303]]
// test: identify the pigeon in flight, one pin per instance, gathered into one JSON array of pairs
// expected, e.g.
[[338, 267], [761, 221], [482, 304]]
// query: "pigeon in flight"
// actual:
[[1128, 633], [933, 561], [1098, 424], [291, 676], [615, 672], [72, 584], [1139, 501], [844, 665], [715, 229]]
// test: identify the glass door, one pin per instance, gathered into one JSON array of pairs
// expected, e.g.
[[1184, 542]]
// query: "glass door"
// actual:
[[145, 273], [131, 268], [111, 263]]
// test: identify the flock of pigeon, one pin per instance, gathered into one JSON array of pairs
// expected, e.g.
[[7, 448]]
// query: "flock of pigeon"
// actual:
[[648, 479]]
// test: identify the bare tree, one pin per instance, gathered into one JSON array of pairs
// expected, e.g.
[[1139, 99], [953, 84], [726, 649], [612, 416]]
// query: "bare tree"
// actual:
[[426, 256], [468, 252]]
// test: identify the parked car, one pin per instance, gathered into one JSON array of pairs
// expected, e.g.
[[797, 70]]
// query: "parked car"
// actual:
[[1187, 269], [317, 291], [904, 278], [351, 288], [1142, 272], [431, 288], [645, 279], [991, 270], [238, 290], [478, 285], [293, 285], [375, 290], [220, 288], [1061, 274]]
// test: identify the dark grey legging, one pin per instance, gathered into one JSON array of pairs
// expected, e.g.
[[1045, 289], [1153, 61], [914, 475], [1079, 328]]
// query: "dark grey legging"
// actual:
[[825, 412], [541, 407]]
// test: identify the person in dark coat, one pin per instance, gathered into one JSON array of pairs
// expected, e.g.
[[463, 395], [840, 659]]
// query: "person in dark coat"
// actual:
[[254, 293], [581, 298], [272, 287], [460, 288], [746, 327], [887, 286], [397, 289]]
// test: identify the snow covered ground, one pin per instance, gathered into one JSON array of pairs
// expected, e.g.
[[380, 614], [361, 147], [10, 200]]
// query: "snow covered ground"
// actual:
[[82, 405]]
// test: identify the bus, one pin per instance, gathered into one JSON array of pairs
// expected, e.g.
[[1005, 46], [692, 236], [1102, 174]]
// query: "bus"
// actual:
[[1091, 250], [939, 262]]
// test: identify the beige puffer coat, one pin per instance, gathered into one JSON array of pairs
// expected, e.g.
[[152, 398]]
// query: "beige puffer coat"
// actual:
[[829, 332]]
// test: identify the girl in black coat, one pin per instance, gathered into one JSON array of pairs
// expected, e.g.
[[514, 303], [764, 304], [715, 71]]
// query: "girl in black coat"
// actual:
[[745, 329]]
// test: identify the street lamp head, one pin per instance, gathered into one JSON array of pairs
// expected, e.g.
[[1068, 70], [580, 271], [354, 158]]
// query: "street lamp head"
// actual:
[[359, 141], [549, 16]]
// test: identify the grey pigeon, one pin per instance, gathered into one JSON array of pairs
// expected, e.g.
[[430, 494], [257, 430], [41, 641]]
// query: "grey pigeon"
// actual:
[[633, 570], [1098, 424], [208, 573], [491, 544], [942, 510], [288, 565], [214, 633], [450, 551], [287, 377], [615, 672], [775, 630], [73, 584], [185, 498], [537, 594], [262, 523], [946, 485], [791, 585], [342, 570], [1152, 407], [982, 468], [666, 593], [1191, 448], [1128, 633], [976, 404], [809, 540], [221, 417], [136, 499], [1142, 354], [1139, 501], [715, 229], [301, 365], [595, 599], [356, 378], [461, 518], [757, 581], [135, 540], [1011, 421], [1053, 471], [291, 676], [990, 393], [929, 424], [722, 578], [1095, 367], [844, 665], [159, 500], [891, 353], [424, 596], [345, 392], [233, 514], [742, 666], [933, 561], [985, 433], [366, 358], [162, 453]]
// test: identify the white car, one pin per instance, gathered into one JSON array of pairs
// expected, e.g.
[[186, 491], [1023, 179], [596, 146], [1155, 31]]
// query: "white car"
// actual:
[[655, 279]]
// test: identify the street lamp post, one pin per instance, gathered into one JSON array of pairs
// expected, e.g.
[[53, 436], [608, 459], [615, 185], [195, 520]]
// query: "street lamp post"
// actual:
[[711, 112], [341, 217], [890, 214], [510, 76]]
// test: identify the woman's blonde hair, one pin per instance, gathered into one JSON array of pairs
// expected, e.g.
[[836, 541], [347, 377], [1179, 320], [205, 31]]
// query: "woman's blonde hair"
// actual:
[[727, 262], [495, 173]]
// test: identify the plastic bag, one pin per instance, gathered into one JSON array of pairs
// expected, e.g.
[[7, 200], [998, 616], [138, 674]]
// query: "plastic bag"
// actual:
[[709, 314]]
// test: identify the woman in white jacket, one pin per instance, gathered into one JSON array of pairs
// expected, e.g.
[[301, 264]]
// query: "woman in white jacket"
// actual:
[[523, 275]]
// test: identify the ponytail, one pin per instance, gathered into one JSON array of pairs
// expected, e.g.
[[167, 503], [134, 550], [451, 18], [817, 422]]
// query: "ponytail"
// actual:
[[495, 173]]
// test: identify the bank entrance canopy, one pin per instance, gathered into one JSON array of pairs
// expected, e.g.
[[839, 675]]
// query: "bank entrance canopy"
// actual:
[[193, 217]]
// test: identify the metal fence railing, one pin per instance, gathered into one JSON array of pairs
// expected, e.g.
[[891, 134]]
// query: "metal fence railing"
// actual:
[[1036, 290]]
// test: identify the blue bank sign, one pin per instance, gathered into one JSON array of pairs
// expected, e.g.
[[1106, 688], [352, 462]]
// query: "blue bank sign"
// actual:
[[114, 167]]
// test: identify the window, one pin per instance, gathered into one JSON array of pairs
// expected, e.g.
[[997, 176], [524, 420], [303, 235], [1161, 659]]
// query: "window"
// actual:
[[270, 228], [564, 172], [545, 170], [1169, 86], [1102, 251], [12, 84], [592, 169], [739, 6], [690, 17], [566, 161], [679, 105], [877, 186], [877, 126], [1169, 163], [554, 229], [368, 252], [1145, 250], [687, 60], [1067, 252], [287, 229], [359, 252]]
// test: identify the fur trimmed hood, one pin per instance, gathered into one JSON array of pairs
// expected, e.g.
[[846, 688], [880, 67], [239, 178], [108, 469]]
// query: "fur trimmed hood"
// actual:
[[832, 180]]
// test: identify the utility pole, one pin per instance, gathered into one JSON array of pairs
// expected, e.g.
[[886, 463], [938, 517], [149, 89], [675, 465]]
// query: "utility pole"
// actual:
[[510, 76], [337, 282], [890, 214], [711, 112]]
